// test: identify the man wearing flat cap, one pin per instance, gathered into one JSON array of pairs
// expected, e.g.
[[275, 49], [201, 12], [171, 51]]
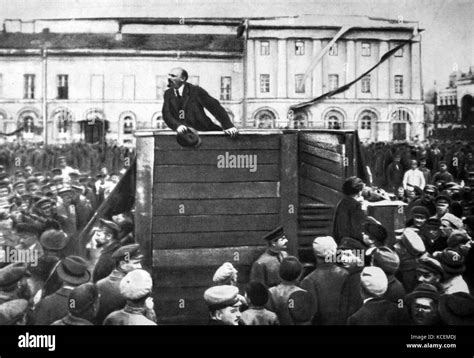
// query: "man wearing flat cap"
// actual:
[[442, 176], [457, 309], [266, 268], [106, 238], [349, 215], [389, 262], [325, 282], [126, 258], [429, 270], [73, 272], [408, 248], [136, 288], [453, 265], [224, 305], [427, 200], [423, 305], [375, 309], [12, 282], [14, 312]]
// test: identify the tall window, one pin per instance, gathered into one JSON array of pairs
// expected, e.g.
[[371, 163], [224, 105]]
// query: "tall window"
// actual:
[[334, 123], [29, 87], [399, 53], [264, 48], [366, 123], [128, 125], [63, 89], [333, 82], [264, 83], [299, 84], [161, 85], [399, 84], [365, 49], [333, 50], [226, 82], [28, 124], [299, 48], [365, 84]]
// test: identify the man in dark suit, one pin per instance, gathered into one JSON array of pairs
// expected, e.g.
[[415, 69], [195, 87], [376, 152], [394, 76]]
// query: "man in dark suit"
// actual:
[[184, 106]]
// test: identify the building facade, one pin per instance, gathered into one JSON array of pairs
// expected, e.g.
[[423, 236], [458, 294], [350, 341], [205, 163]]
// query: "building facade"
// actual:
[[95, 79]]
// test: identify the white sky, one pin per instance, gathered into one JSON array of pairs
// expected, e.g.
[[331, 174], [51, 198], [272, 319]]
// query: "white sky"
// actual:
[[447, 42]]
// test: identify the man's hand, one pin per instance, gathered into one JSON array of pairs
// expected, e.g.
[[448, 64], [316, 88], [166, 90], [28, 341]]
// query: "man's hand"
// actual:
[[233, 132], [182, 129]]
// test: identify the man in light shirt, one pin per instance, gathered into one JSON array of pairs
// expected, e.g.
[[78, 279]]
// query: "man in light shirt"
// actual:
[[414, 177]]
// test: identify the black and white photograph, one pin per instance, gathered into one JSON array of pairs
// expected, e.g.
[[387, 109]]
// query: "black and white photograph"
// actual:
[[186, 164]]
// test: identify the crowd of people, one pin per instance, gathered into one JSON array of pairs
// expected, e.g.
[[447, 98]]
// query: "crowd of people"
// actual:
[[42, 214], [421, 274]]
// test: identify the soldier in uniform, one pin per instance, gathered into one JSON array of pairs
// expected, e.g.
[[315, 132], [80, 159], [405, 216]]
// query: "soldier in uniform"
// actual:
[[266, 268], [223, 303], [127, 258]]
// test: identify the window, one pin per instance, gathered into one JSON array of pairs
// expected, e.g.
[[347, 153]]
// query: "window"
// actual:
[[333, 82], [28, 124], [194, 80], [334, 123], [264, 83], [365, 84], [62, 83], [365, 49], [226, 88], [128, 87], [128, 125], [299, 84], [29, 87], [264, 48], [366, 123], [399, 53], [399, 84], [333, 50], [161, 86], [299, 48], [334, 119]]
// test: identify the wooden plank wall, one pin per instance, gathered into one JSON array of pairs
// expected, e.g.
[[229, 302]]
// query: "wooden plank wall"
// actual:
[[321, 174], [205, 216]]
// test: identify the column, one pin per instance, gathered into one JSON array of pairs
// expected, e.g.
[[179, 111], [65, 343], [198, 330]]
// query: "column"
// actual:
[[317, 82], [415, 71], [251, 76], [383, 73], [350, 69], [282, 85]]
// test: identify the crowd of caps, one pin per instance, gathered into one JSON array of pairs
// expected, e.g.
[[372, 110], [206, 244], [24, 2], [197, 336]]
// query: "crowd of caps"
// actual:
[[421, 274], [41, 218], [404, 169]]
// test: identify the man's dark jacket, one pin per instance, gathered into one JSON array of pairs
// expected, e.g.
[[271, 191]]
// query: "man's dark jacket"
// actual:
[[192, 103]]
